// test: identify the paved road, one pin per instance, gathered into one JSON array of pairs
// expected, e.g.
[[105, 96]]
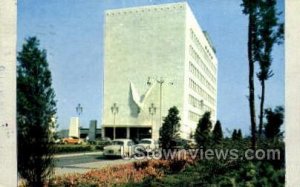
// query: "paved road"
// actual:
[[83, 163], [67, 161]]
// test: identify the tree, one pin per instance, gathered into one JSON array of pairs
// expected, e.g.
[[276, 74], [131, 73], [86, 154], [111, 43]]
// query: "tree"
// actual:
[[239, 135], [251, 9], [203, 131], [217, 133], [170, 128], [36, 107], [270, 32], [274, 121], [234, 135]]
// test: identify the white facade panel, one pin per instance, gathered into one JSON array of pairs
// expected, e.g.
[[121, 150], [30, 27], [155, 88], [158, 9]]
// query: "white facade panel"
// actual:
[[142, 46], [74, 127]]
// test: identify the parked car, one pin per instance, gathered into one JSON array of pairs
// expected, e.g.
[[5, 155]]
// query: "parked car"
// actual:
[[147, 145], [107, 139], [119, 148], [72, 140]]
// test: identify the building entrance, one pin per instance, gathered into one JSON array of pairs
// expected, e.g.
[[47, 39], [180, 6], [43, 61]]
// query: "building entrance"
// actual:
[[137, 134]]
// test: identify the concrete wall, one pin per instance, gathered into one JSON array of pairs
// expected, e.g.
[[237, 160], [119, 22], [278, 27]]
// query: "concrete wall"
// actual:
[[144, 44], [92, 130], [140, 43], [8, 130], [74, 127]]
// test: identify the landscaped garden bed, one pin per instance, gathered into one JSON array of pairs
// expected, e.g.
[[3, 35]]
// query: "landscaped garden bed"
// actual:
[[125, 174]]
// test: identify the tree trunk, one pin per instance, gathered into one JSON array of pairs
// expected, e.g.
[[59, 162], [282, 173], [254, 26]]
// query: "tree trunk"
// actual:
[[261, 115], [251, 35]]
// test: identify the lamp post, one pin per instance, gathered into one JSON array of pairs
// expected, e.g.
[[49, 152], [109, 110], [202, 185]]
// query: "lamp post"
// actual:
[[114, 111], [160, 82], [79, 109], [152, 111]]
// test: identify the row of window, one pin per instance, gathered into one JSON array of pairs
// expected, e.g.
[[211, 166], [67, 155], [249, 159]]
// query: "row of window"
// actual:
[[193, 116], [197, 58], [198, 104], [211, 57], [195, 87], [199, 75], [205, 52]]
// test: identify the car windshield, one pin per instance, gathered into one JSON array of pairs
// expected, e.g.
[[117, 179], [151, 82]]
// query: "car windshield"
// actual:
[[145, 142], [118, 143]]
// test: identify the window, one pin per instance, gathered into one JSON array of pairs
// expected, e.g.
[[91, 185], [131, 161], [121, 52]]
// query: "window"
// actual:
[[118, 143], [204, 51], [193, 116], [197, 89]]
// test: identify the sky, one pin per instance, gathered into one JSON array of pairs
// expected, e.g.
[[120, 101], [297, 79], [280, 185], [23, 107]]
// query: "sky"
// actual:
[[72, 33]]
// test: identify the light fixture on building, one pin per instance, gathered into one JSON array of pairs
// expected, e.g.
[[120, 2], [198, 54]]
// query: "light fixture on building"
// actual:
[[149, 83]]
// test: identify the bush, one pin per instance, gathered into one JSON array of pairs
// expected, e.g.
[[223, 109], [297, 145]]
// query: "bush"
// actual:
[[100, 144], [73, 148], [131, 174], [115, 175]]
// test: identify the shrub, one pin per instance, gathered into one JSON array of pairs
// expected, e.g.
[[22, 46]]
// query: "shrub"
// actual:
[[36, 107], [115, 175], [170, 128], [101, 144], [203, 131]]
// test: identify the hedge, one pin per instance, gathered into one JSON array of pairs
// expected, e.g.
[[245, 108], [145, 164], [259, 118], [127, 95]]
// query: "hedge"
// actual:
[[73, 148]]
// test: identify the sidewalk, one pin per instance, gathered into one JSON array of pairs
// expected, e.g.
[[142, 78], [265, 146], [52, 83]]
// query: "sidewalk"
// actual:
[[78, 154]]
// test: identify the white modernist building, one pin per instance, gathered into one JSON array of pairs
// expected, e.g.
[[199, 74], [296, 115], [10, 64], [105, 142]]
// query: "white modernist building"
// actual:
[[156, 57], [74, 127]]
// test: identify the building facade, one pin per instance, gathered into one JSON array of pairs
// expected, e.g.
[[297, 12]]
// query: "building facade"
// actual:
[[156, 57]]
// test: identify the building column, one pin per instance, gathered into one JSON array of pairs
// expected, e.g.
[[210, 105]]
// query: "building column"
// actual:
[[114, 129], [128, 132], [102, 132]]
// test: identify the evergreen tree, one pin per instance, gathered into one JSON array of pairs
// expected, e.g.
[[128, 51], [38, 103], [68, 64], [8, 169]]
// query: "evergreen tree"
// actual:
[[239, 135], [234, 135], [217, 133], [36, 108], [203, 131], [170, 128], [274, 121]]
